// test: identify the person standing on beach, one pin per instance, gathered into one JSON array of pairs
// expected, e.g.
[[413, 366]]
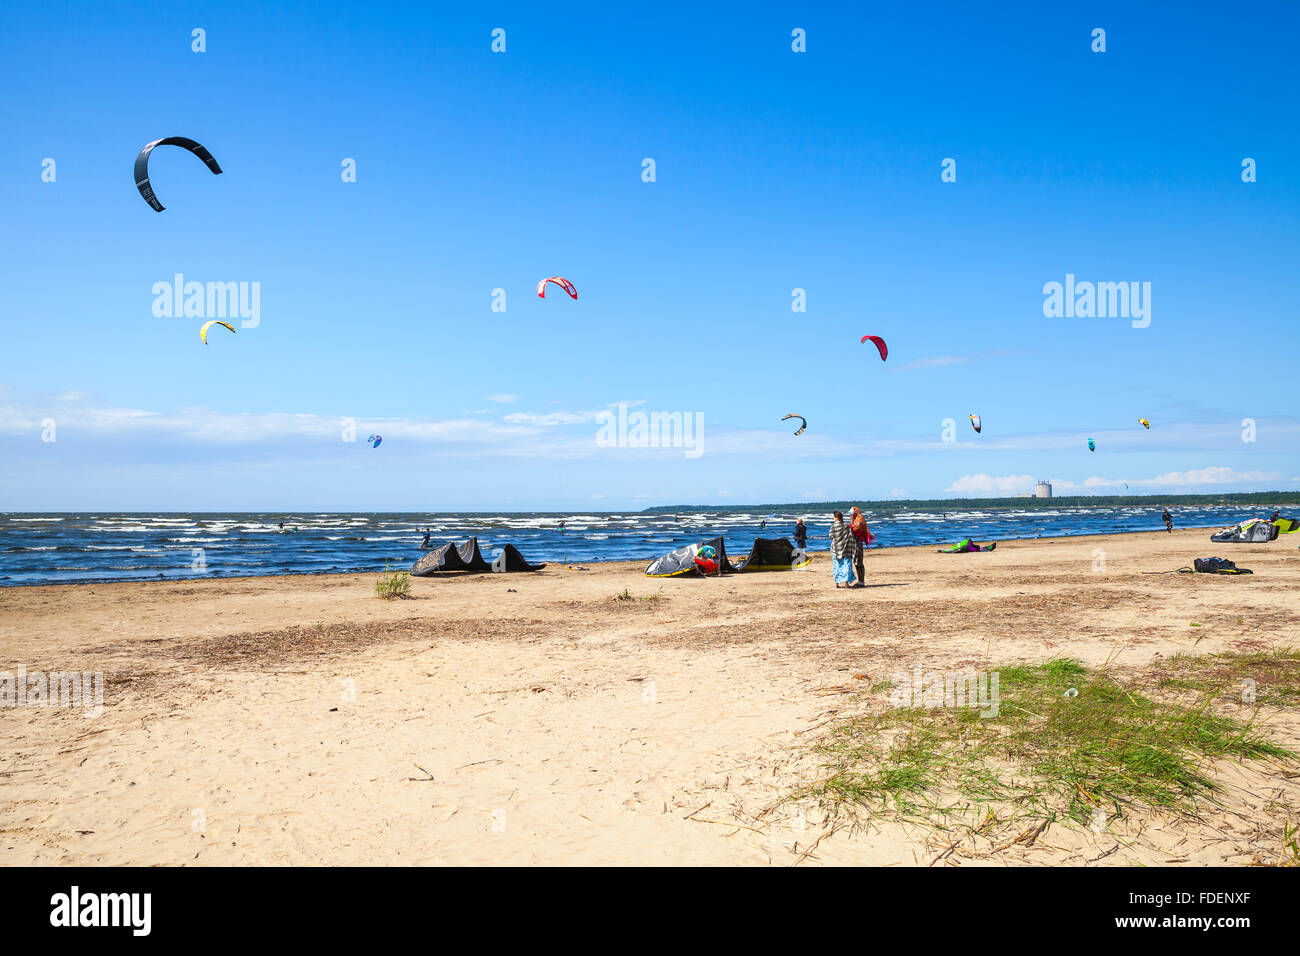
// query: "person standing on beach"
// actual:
[[800, 535], [1168, 520], [861, 538], [841, 551]]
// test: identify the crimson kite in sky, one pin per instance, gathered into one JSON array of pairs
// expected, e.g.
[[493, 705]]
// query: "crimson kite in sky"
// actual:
[[562, 282], [880, 345]]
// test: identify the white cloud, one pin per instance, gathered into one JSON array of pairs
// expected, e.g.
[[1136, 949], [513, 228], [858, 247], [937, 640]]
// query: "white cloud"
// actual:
[[550, 419], [983, 484], [205, 425], [1199, 477], [937, 361]]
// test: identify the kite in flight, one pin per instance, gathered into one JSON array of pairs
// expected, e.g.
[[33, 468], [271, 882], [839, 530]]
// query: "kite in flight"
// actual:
[[142, 165], [1144, 423], [975, 424], [374, 440], [1092, 445], [880, 345], [803, 422], [562, 282], [203, 332]]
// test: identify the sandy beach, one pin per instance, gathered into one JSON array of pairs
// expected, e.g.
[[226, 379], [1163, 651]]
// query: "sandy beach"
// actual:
[[538, 719]]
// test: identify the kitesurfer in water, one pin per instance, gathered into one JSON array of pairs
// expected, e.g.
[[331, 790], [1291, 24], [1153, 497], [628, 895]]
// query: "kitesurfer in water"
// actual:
[[1168, 519], [425, 542]]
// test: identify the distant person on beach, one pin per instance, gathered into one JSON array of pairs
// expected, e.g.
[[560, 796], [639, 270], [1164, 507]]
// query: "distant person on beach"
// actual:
[[800, 535], [861, 538], [841, 551], [1276, 514], [1168, 519]]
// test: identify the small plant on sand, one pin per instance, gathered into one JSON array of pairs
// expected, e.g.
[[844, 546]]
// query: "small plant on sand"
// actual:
[[1290, 855], [627, 595], [393, 584]]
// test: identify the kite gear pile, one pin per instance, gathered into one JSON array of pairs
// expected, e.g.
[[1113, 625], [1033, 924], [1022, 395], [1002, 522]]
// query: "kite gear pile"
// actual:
[[706, 559], [1214, 566], [1254, 531], [710, 557], [966, 546], [466, 556]]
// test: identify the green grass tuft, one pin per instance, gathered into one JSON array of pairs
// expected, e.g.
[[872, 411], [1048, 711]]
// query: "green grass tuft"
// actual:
[[1047, 754], [393, 584]]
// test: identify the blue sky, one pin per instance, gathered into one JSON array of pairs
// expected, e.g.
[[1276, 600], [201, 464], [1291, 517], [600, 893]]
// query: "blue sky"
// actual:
[[775, 171]]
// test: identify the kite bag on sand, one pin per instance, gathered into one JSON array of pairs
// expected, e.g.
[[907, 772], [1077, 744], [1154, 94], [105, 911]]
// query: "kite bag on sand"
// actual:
[[1218, 566]]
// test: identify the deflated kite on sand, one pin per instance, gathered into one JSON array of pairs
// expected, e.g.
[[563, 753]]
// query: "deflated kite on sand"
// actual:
[[708, 557], [466, 556]]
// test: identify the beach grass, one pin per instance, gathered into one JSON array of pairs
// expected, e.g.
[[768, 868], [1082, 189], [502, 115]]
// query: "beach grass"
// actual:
[[393, 584], [1270, 677], [1067, 741], [1290, 854]]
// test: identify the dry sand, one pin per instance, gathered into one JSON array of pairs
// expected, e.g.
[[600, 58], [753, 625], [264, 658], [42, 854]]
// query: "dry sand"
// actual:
[[516, 719]]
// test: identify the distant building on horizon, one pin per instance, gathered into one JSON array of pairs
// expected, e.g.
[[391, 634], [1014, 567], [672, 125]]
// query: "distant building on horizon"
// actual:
[[1044, 490]]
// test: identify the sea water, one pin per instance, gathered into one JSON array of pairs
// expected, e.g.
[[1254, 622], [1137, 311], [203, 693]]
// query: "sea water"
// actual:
[[55, 548]]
